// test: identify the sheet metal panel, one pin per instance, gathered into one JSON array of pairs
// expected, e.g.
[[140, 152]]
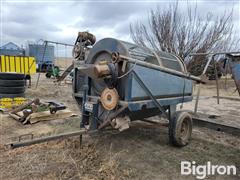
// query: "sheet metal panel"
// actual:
[[235, 66], [160, 84], [42, 54], [149, 104], [18, 64]]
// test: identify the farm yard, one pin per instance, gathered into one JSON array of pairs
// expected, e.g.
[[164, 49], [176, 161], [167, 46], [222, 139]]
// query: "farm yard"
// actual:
[[141, 152], [119, 90]]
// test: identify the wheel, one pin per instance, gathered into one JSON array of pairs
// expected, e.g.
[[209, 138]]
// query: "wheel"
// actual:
[[12, 83], [48, 75], [12, 76], [52, 111], [12, 90], [28, 77], [180, 129]]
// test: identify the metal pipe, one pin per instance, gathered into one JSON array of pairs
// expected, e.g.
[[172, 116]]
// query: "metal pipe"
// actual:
[[213, 53], [206, 66], [197, 99], [54, 42], [43, 56], [159, 68], [111, 116], [216, 77], [45, 139], [166, 124]]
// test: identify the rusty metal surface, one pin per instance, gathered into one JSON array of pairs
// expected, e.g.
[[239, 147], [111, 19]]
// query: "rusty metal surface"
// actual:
[[32, 141], [109, 98], [65, 73]]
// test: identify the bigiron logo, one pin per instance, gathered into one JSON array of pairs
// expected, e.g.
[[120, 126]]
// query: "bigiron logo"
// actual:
[[208, 169]]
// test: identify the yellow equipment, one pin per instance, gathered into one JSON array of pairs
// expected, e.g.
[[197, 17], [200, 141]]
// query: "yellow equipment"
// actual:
[[8, 103], [19, 100], [18, 64]]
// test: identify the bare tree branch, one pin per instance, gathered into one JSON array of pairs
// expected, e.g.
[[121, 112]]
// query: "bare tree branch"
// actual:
[[172, 31]]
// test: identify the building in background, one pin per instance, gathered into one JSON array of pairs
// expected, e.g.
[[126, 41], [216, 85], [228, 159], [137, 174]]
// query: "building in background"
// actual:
[[43, 55], [11, 49]]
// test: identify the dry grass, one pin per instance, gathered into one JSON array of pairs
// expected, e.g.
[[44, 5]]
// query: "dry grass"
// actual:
[[63, 159], [138, 153]]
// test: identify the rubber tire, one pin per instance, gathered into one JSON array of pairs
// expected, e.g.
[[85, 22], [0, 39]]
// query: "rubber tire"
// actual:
[[175, 125], [48, 75], [12, 76], [12, 90], [12, 83], [12, 95]]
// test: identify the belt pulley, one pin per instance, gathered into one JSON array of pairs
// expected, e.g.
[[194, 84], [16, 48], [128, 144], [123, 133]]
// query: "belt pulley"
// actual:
[[109, 98], [111, 80]]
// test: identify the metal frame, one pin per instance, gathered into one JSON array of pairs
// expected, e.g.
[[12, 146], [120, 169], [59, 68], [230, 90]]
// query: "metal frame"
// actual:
[[32, 141], [46, 42], [215, 70], [148, 92], [159, 68]]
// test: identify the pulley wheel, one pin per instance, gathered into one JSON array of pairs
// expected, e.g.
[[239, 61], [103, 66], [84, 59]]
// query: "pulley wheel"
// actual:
[[103, 50], [109, 98], [76, 51]]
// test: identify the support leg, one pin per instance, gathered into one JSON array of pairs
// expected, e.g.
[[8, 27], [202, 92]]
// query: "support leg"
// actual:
[[172, 110], [80, 141], [197, 99]]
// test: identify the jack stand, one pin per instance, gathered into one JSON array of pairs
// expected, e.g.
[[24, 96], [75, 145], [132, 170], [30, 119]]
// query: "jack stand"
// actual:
[[80, 141]]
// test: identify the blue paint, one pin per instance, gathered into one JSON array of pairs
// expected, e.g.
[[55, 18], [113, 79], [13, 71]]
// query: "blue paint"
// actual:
[[160, 84], [236, 70], [235, 65], [169, 87], [43, 55], [149, 104], [169, 90]]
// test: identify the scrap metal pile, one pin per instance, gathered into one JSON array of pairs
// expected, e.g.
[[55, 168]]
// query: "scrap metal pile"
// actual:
[[24, 112]]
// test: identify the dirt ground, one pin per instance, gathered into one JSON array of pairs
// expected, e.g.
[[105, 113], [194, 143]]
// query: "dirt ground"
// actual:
[[141, 152]]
